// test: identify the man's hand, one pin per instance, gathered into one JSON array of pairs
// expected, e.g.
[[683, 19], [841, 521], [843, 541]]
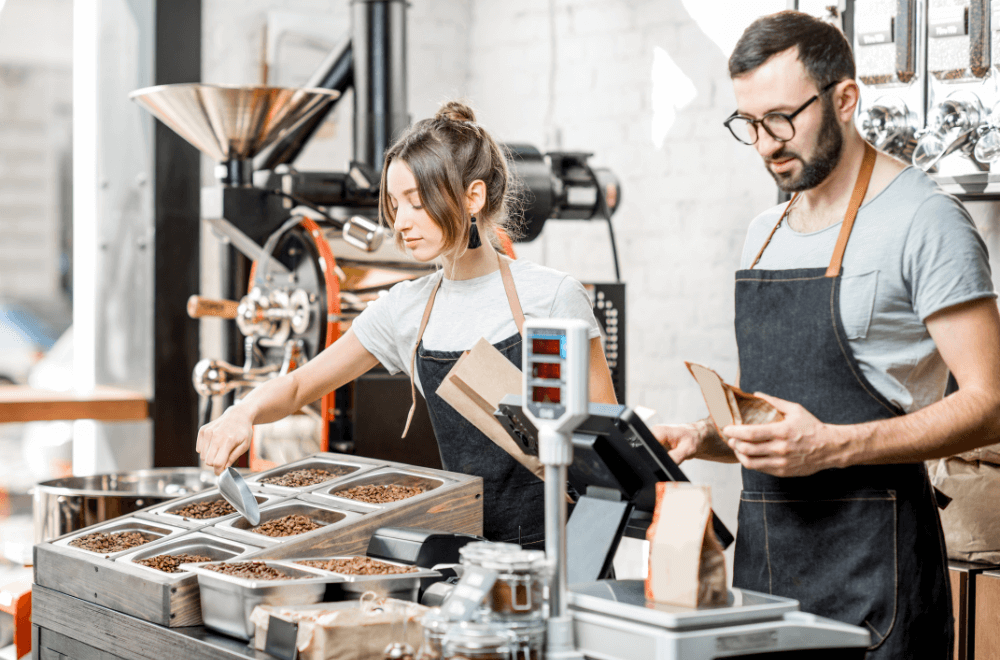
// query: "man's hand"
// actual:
[[221, 442], [698, 440], [797, 446]]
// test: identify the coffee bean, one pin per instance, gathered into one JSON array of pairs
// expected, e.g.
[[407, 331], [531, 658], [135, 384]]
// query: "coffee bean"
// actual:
[[307, 477], [358, 566], [380, 494], [170, 563], [251, 570], [287, 526], [109, 543], [201, 510]]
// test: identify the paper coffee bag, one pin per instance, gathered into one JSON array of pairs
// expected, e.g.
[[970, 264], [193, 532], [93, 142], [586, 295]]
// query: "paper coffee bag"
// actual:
[[686, 564]]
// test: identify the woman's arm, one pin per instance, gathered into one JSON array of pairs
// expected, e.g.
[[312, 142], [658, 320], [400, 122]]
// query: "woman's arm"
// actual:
[[221, 442], [602, 389]]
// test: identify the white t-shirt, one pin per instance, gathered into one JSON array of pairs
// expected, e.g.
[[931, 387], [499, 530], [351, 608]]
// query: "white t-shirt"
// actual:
[[913, 251], [466, 310]]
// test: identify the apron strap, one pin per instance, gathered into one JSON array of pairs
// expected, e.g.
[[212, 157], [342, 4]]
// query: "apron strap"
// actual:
[[860, 190], [515, 309], [511, 291], [858, 196], [771, 235]]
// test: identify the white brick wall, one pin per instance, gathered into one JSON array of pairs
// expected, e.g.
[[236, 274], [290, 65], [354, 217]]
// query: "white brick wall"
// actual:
[[685, 205]]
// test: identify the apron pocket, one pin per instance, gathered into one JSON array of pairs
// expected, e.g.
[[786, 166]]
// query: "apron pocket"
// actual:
[[836, 554]]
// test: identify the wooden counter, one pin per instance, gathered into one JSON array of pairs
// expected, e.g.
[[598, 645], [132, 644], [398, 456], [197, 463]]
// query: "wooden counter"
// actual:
[[20, 403], [68, 627]]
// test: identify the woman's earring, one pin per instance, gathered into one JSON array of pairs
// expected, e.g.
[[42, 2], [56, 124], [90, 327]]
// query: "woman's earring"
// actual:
[[474, 240]]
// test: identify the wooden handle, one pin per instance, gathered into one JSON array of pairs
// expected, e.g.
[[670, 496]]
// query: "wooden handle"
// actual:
[[198, 307]]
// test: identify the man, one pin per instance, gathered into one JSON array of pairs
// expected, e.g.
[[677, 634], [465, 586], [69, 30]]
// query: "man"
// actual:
[[848, 321]]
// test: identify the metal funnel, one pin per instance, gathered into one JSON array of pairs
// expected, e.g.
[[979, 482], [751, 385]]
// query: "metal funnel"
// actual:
[[229, 122]]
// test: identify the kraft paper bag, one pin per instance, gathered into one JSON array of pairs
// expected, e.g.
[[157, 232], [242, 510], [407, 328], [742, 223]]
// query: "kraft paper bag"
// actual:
[[474, 388], [349, 630], [730, 405], [686, 564], [971, 521]]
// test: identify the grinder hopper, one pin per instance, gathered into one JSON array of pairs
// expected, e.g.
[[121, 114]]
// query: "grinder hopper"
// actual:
[[232, 124]]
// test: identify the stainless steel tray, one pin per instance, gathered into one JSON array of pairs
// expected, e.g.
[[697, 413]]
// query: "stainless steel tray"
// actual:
[[325, 514], [228, 601], [403, 586], [383, 477], [125, 524], [163, 512], [316, 461], [192, 543], [626, 599]]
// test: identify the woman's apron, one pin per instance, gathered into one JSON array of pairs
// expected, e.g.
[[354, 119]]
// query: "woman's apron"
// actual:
[[513, 497], [862, 544]]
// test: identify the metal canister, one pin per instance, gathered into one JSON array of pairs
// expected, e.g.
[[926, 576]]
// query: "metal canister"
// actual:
[[478, 641], [519, 592]]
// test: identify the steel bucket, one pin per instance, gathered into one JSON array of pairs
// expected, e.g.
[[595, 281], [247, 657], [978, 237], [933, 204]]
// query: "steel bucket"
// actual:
[[66, 505]]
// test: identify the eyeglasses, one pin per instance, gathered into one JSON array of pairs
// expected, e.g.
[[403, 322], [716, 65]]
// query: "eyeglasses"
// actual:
[[777, 124]]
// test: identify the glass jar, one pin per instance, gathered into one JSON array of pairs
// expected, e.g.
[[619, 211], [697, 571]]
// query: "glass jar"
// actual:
[[478, 641], [435, 627], [528, 639], [472, 554], [519, 592]]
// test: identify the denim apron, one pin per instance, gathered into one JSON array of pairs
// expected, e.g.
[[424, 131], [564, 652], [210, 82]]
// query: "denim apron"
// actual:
[[513, 497], [861, 544]]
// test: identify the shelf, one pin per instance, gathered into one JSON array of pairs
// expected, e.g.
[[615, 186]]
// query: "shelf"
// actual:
[[20, 403]]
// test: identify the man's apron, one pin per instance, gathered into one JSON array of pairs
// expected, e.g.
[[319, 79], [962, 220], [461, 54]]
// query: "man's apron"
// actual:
[[863, 544], [513, 497]]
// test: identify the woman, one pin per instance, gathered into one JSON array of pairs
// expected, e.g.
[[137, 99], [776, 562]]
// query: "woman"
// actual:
[[445, 184]]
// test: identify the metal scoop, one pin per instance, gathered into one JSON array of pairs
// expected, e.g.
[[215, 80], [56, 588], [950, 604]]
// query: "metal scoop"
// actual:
[[235, 490]]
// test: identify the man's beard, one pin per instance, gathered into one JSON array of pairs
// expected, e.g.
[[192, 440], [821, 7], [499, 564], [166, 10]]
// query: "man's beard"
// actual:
[[829, 148]]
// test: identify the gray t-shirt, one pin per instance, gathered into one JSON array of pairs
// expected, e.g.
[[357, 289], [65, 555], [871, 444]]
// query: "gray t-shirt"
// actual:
[[465, 310], [913, 251]]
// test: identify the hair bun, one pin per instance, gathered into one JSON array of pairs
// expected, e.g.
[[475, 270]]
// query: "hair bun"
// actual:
[[456, 111]]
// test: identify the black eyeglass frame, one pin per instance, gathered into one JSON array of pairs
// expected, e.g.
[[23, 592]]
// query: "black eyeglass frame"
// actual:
[[786, 116]]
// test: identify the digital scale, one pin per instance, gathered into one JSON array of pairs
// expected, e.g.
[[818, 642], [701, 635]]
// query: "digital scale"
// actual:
[[613, 461]]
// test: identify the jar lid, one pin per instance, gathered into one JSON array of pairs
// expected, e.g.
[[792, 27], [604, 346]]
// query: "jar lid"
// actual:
[[473, 553], [477, 636], [522, 560]]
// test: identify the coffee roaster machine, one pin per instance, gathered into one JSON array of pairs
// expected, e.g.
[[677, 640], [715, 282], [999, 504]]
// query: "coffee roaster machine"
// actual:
[[311, 252]]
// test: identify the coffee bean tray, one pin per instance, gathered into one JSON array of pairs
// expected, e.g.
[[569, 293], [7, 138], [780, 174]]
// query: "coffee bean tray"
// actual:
[[127, 529], [402, 586], [323, 516], [381, 488], [302, 475], [201, 507], [227, 600], [450, 503]]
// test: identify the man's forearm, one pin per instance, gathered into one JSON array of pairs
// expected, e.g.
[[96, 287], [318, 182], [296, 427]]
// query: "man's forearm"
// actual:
[[965, 420]]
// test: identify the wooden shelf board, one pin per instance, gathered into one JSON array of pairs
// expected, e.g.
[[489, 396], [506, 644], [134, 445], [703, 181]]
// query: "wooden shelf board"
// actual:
[[20, 403]]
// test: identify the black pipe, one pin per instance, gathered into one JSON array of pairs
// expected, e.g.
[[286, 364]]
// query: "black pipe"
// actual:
[[337, 73], [379, 44]]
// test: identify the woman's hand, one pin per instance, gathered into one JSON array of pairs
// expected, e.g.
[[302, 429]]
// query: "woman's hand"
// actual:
[[221, 442]]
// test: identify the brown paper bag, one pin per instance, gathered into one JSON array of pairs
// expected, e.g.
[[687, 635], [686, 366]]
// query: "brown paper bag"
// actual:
[[686, 564], [475, 386], [349, 630], [730, 405], [971, 520]]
